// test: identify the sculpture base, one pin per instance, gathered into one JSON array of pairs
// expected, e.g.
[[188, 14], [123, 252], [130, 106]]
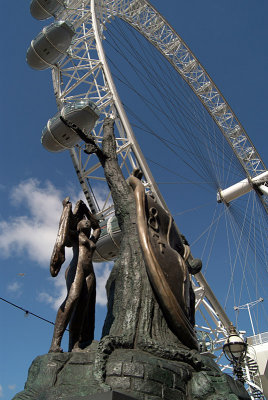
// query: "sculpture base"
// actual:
[[127, 374], [111, 396]]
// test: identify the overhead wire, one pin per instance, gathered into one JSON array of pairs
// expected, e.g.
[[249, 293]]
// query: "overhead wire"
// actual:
[[27, 312]]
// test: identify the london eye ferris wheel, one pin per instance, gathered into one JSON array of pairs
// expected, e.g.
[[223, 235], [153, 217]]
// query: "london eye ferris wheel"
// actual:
[[122, 59]]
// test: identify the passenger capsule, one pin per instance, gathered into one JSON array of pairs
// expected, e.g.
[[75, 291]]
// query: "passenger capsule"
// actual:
[[43, 9], [50, 45], [107, 246], [56, 136]]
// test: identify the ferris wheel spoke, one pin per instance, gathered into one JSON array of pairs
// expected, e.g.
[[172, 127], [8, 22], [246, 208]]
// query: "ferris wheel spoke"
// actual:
[[188, 150], [193, 122], [164, 38]]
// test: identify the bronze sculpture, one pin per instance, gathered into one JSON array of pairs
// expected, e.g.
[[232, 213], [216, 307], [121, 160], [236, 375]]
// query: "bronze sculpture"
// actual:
[[165, 266], [78, 308], [144, 310], [148, 348]]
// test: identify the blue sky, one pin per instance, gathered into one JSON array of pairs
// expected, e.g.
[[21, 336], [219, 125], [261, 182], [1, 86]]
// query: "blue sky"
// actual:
[[230, 40]]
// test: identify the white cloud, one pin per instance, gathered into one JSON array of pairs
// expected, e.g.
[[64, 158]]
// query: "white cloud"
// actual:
[[14, 287], [56, 298], [44, 297], [12, 387], [1, 391], [33, 234], [60, 286], [102, 272]]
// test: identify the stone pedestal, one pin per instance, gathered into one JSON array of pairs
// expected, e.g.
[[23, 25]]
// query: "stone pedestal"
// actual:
[[111, 396], [127, 374]]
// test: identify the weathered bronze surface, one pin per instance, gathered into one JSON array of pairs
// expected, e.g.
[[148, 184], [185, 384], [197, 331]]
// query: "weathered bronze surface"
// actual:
[[142, 353], [148, 305], [166, 268], [144, 310], [138, 374], [78, 308]]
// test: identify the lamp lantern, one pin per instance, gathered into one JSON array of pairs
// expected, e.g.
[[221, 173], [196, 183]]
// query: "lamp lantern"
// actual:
[[235, 349]]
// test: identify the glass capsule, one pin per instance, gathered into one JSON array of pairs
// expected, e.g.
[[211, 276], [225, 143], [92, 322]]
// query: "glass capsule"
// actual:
[[43, 9], [50, 45], [56, 136]]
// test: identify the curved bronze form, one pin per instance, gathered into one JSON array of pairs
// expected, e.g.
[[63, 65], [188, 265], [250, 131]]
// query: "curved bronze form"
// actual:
[[78, 308], [166, 268]]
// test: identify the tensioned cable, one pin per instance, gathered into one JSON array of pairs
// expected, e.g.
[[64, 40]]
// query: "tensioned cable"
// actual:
[[207, 229], [229, 253], [236, 228], [184, 183], [140, 41], [133, 49], [165, 142], [214, 127], [243, 263], [192, 209], [206, 120], [237, 259], [211, 246], [232, 153], [195, 156], [143, 96], [238, 213], [147, 129], [216, 150], [259, 283], [137, 37], [156, 59], [208, 235], [164, 167]]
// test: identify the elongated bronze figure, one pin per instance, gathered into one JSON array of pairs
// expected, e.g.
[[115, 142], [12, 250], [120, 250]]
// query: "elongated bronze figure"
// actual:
[[78, 309], [150, 298]]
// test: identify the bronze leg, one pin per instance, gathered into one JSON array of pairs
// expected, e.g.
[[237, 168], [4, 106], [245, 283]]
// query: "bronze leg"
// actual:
[[79, 333], [88, 326], [66, 309], [76, 318]]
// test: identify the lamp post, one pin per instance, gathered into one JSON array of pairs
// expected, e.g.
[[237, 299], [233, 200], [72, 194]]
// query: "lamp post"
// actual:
[[247, 307], [235, 350]]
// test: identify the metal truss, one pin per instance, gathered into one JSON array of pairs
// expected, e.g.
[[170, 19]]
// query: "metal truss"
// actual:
[[143, 17], [84, 74], [81, 74]]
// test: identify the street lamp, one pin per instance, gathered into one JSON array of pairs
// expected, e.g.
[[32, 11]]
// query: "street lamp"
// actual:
[[235, 350]]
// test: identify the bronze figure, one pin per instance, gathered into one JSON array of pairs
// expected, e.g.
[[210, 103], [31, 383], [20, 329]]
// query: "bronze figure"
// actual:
[[78, 308], [150, 299]]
